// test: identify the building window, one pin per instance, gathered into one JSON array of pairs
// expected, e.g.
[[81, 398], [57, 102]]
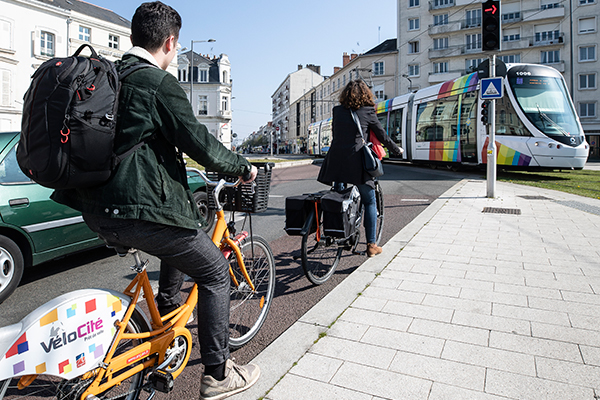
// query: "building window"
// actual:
[[441, 43], [5, 88], [84, 33], [202, 105], [443, 3], [441, 19], [511, 35], [440, 68], [587, 25], [511, 58], [225, 77], [413, 24], [182, 75], [413, 47], [113, 41], [473, 42], [379, 96], [587, 53], [413, 70], [550, 57], [548, 6], [511, 17], [587, 110], [414, 3], [547, 36], [472, 64], [203, 75], [46, 44], [224, 103], [5, 35], [378, 68], [473, 18], [587, 81], [585, 2]]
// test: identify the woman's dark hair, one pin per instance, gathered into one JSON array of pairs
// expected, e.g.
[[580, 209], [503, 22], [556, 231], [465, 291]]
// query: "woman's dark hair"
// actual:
[[356, 94], [152, 24]]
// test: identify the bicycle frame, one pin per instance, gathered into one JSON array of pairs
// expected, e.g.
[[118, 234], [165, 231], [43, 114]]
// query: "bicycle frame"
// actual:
[[152, 351]]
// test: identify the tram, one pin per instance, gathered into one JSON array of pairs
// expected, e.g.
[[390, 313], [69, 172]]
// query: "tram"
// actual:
[[536, 123], [319, 137]]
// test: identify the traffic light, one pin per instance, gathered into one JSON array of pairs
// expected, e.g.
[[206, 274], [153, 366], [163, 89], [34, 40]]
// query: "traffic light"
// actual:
[[485, 112], [490, 25]]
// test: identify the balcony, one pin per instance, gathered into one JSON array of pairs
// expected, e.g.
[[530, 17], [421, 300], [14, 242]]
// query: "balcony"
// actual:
[[439, 4], [443, 77], [559, 66], [543, 41], [515, 44], [448, 28], [548, 13], [448, 52]]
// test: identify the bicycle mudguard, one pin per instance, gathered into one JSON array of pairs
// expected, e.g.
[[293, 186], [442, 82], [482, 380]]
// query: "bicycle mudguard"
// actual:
[[65, 337]]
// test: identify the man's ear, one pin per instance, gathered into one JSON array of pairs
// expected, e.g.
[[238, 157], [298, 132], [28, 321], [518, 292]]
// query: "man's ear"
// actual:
[[170, 43]]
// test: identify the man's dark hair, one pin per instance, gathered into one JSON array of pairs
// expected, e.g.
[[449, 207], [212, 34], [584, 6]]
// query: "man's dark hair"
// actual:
[[152, 24]]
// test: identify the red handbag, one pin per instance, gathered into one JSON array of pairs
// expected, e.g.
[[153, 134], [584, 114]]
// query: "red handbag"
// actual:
[[377, 146]]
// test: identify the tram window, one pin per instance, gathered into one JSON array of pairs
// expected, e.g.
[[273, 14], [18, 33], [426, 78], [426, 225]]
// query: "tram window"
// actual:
[[395, 128], [508, 123]]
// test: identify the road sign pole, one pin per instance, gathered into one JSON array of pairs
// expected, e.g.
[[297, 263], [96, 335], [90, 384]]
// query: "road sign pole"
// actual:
[[491, 150]]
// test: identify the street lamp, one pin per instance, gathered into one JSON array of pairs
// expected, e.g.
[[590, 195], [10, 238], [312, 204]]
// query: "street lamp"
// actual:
[[192, 68]]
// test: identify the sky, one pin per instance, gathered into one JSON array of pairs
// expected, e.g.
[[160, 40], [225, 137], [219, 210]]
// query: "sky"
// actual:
[[266, 40]]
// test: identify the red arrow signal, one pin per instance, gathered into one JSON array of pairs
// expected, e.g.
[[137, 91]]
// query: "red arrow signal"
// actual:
[[493, 9]]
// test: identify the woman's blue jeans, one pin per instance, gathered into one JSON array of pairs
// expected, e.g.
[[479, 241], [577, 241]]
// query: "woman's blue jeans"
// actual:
[[367, 197], [181, 251]]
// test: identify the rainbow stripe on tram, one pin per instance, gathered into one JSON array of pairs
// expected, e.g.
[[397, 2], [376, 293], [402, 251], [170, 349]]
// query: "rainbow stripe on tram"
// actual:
[[464, 84]]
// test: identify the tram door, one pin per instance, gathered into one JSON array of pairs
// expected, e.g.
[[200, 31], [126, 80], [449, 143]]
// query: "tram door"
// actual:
[[392, 124], [468, 127]]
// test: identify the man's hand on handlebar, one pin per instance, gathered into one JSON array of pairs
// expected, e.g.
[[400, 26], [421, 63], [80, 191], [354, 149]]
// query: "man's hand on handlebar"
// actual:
[[250, 176]]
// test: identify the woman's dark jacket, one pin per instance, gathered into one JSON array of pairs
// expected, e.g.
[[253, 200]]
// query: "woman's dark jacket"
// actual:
[[344, 161], [151, 183]]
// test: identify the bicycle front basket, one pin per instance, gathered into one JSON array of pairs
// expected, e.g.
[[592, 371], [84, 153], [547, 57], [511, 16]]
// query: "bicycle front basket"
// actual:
[[244, 197]]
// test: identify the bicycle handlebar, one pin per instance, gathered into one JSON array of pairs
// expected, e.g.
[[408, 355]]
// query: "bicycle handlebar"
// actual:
[[213, 183]]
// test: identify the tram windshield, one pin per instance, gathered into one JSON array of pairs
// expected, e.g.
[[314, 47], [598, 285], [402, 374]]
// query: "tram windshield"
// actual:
[[545, 102]]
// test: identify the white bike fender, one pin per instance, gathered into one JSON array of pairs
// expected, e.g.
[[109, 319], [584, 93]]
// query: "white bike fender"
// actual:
[[65, 337]]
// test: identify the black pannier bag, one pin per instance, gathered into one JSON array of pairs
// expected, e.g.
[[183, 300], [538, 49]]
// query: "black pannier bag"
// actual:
[[340, 210], [297, 210]]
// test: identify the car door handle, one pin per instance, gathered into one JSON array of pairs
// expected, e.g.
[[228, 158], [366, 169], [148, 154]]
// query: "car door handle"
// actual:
[[18, 202]]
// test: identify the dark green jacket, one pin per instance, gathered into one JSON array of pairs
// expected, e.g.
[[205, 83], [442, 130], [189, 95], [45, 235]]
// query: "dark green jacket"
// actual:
[[151, 184]]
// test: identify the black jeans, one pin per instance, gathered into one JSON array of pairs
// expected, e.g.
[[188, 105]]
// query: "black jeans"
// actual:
[[181, 251]]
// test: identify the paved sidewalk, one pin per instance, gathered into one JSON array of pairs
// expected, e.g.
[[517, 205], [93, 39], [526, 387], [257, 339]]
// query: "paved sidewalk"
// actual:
[[462, 304]]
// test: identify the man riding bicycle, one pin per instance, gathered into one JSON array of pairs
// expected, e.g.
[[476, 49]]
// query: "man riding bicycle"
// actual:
[[147, 203]]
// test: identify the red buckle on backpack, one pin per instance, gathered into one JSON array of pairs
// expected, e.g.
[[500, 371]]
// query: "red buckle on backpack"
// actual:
[[91, 88], [65, 136]]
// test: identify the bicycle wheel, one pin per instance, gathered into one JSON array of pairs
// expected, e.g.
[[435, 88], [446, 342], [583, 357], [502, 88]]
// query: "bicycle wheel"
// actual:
[[248, 308], [50, 387], [380, 211], [319, 257]]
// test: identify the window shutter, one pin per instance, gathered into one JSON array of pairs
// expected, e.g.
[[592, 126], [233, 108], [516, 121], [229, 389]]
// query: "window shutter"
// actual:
[[5, 100], [5, 35], [587, 25], [35, 39]]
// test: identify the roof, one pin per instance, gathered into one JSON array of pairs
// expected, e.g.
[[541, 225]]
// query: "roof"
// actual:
[[89, 10], [384, 47]]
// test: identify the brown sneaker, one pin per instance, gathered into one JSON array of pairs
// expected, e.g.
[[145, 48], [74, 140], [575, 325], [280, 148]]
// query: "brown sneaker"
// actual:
[[237, 379], [373, 249]]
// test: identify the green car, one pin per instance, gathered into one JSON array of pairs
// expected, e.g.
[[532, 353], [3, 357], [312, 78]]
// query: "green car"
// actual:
[[35, 229]]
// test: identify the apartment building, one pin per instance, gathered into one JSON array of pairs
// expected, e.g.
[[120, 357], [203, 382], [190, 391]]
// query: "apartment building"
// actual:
[[210, 91], [377, 67], [439, 40], [294, 86]]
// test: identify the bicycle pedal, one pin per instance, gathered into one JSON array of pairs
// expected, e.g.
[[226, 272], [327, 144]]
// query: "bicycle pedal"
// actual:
[[161, 380]]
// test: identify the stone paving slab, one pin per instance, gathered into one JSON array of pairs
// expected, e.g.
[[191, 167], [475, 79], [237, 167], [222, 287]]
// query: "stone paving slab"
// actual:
[[461, 305]]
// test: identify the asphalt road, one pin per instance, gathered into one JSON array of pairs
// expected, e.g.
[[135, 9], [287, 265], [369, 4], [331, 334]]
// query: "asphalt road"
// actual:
[[408, 190]]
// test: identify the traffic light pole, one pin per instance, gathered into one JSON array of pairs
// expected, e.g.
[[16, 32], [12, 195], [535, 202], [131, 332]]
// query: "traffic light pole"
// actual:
[[491, 150]]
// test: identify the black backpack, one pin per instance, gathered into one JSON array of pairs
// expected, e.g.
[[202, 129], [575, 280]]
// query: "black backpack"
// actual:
[[69, 121]]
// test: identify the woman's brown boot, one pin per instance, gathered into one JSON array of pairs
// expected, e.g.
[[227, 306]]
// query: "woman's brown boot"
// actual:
[[373, 249]]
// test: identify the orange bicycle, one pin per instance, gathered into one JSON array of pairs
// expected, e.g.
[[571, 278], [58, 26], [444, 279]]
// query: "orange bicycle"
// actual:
[[98, 344]]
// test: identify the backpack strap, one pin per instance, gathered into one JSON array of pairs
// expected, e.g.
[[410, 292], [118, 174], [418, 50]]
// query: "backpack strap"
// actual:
[[122, 75]]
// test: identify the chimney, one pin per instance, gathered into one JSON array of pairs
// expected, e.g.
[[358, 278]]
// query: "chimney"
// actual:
[[353, 56], [336, 70], [346, 59], [299, 67], [314, 68]]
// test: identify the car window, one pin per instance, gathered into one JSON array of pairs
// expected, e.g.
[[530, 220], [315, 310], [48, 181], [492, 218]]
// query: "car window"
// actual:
[[10, 173]]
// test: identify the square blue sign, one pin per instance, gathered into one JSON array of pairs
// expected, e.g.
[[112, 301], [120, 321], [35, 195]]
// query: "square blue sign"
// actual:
[[491, 88]]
